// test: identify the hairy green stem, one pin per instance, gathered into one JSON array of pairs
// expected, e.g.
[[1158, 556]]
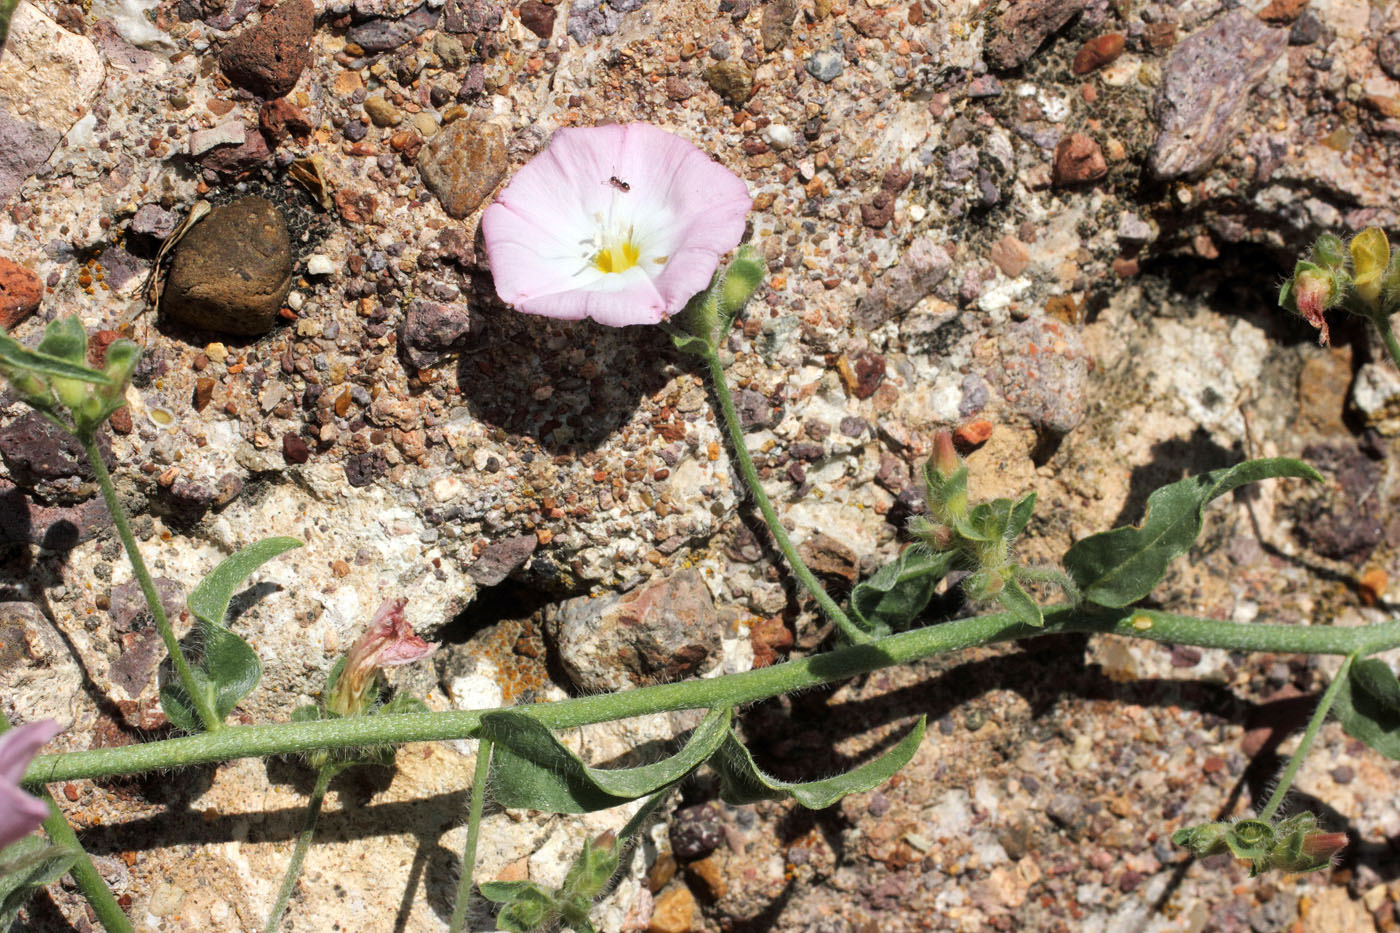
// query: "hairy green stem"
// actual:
[[201, 702], [85, 875], [1319, 716], [747, 470], [1388, 335], [729, 690], [464, 884], [303, 845]]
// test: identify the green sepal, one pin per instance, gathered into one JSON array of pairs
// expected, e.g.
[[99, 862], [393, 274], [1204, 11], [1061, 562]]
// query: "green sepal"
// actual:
[[741, 280], [701, 326], [528, 906], [1329, 251], [1016, 600], [591, 871], [898, 592], [1119, 567], [742, 782], [26, 866], [531, 768], [1366, 706]]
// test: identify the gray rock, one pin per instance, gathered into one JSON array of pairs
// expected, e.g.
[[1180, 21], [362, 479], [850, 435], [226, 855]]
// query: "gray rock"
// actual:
[[232, 271], [1021, 29], [826, 66], [501, 558], [432, 330], [470, 17], [1205, 90], [462, 164], [1044, 373], [657, 633], [382, 35], [916, 274]]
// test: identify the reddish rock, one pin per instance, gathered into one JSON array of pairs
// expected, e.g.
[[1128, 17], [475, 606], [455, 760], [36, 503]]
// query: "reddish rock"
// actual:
[[826, 556], [237, 159], [1283, 11], [1078, 160], [1125, 268], [769, 638], [973, 434], [1011, 256], [294, 448], [20, 291], [878, 211], [1097, 52], [1159, 37], [538, 18], [678, 88], [280, 118], [269, 58]]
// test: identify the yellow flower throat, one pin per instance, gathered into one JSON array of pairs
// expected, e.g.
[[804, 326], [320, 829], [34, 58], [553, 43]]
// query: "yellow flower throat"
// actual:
[[617, 257]]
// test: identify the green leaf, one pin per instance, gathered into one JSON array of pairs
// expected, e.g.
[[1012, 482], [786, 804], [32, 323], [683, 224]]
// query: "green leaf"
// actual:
[[178, 706], [1021, 514], [28, 865], [1365, 706], [898, 592], [14, 355], [531, 768], [742, 782], [232, 667], [528, 905], [210, 599], [65, 339], [1016, 600], [1117, 568]]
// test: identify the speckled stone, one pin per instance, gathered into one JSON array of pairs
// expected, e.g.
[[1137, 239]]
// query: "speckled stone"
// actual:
[[462, 165], [1020, 30], [232, 271]]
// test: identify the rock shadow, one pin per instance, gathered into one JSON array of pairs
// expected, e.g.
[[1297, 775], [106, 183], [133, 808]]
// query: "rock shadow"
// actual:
[[567, 384], [1173, 460]]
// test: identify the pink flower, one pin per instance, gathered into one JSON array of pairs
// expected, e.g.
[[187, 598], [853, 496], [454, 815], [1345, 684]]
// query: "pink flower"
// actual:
[[388, 642], [21, 814], [623, 224], [1314, 292]]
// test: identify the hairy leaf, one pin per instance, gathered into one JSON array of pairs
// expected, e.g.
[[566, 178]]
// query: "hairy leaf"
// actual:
[[1366, 706], [897, 592], [16, 355], [28, 865], [1117, 568], [531, 768], [742, 782], [210, 599], [1015, 599]]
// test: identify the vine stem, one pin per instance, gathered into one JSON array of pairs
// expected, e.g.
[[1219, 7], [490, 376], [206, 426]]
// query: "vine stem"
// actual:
[[303, 845], [202, 705], [775, 526], [1388, 335], [464, 884], [90, 882], [1324, 706], [729, 690]]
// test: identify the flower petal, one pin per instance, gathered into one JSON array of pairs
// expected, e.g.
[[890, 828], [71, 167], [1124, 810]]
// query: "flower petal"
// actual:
[[20, 814], [22, 743], [634, 300]]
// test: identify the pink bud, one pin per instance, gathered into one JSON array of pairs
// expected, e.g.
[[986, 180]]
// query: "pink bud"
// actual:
[[21, 814], [945, 457], [1323, 847]]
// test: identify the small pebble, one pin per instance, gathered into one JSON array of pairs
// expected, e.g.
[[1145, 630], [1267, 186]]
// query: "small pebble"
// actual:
[[826, 66]]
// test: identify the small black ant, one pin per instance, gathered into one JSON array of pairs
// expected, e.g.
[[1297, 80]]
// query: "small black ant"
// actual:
[[619, 184]]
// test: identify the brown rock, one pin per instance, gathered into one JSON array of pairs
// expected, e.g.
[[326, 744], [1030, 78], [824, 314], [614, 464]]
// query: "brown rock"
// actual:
[[776, 23], [1159, 37], [923, 265], [1097, 52], [674, 911], [203, 392], [239, 158], [1020, 30], [710, 873], [830, 558], [878, 211], [1078, 160], [678, 88], [463, 164], [20, 292], [731, 80], [538, 18], [269, 58], [280, 117], [973, 434], [1011, 256], [232, 270]]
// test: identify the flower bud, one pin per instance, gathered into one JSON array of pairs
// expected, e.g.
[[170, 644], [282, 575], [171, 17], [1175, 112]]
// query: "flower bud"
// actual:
[[1311, 292], [1370, 257], [945, 456], [1329, 252], [741, 280]]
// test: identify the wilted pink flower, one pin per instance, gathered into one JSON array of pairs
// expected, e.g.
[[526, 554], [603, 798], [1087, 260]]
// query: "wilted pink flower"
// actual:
[[388, 642], [622, 223], [21, 814], [1314, 291]]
